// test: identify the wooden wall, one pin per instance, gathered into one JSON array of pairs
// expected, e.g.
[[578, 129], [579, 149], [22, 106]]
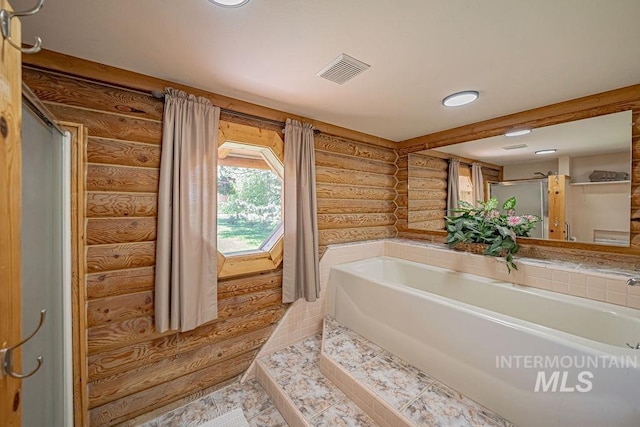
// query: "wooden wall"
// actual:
[[422, 190], [131, 368], [590, 106], [355, 190], [426, 192]]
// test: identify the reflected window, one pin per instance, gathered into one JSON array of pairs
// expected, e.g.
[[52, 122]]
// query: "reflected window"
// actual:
[[465, 185]]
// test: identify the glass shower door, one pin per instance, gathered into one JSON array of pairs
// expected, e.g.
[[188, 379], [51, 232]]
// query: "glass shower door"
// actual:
[[45, 272], [531, 198]]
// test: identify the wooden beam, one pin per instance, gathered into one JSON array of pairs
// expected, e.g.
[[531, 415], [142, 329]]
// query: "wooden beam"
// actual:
[[93, 71]]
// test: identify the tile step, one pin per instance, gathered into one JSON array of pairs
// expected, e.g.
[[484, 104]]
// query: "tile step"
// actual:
[[303, 395], [391, 391]]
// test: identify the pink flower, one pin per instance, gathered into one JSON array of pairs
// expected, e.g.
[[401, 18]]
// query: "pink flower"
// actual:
[[513, 221], [493, 214], [531, 218]]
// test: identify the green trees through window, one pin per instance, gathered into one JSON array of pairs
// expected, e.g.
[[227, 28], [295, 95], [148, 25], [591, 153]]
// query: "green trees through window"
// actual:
[[249, 203]]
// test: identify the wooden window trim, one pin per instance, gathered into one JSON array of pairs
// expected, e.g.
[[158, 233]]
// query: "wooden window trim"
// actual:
[[268, 258]]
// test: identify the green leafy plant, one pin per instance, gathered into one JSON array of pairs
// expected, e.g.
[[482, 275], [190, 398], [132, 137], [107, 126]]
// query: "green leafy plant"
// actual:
[[487, 225]]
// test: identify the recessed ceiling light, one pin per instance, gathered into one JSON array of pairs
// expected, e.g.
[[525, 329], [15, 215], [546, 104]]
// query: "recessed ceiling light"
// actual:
[[549, 151], [518, 132], [515, 147], [460, 98], [229, 3]]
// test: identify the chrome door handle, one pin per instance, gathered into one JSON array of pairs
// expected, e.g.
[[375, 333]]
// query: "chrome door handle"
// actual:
[[6, 354]]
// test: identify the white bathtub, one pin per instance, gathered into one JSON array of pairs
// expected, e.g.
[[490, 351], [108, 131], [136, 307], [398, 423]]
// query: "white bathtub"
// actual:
[[466, 331]]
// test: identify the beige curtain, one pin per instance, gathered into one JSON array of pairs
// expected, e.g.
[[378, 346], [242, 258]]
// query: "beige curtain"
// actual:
[[186, 273], [453, 185], [478, 183], [300, 261]]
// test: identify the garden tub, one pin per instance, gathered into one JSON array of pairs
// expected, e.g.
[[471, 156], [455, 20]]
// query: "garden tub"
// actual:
[[537, 358]]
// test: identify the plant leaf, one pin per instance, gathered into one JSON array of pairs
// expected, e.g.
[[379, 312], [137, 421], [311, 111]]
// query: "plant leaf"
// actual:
[[509, 204]]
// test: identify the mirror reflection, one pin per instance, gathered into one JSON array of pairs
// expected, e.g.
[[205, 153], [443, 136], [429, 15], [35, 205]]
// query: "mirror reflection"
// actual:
[[574, 175]]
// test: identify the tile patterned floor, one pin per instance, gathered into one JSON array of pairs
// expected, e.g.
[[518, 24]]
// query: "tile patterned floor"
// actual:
[[419, 397], [296, 370], [250, 396], [416, 395]]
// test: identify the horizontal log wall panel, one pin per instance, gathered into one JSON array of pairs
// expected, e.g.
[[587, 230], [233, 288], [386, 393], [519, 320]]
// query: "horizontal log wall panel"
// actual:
[[424, 215], [335, 191], [223, 329], [427, 184], [135, 404], [147, 376], [248, 284], [435, 195], [59, 89], [333, 221], [120, 282], [435, 224], [248, 303], [106, 204], [419, 172], [113, 126], [340, 161], [428, 162], [121, 307], [123, 153], [122, 179], [429, 204], [120, 230], [341, 176], [328, 206], [346, 147], [344, 235], [249, 291], [122, 333], [491, 173], [123, 359], [120, 256]]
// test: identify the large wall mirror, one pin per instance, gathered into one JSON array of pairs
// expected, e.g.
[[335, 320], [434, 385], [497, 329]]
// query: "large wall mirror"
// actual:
[[579, 181]]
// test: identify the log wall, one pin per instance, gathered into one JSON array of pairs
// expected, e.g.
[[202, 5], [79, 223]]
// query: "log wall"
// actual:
[[130, 368], [422, 190]]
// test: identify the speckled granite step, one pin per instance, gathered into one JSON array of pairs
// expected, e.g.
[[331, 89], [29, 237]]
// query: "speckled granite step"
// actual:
[[302, 394], [390, 390]]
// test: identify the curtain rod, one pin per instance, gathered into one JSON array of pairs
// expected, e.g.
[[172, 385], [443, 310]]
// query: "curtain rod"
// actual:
[[160, 95]]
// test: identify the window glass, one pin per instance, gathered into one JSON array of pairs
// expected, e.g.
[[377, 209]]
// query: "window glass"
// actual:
[[249, 198], [465, 186]]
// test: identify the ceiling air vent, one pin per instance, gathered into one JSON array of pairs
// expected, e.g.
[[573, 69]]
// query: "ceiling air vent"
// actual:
[[514, 147], [342, 69]]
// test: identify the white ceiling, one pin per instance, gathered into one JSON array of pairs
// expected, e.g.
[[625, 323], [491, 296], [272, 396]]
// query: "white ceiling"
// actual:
[[517, 54], [594, 136]]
